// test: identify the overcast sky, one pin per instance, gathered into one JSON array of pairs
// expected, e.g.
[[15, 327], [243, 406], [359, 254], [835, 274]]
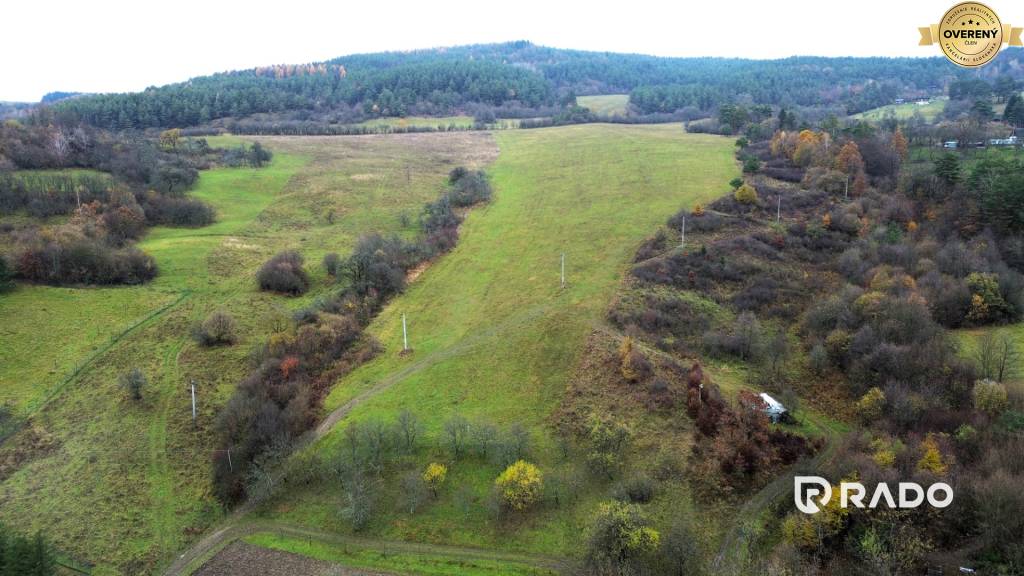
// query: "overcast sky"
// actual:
[[116, 46]]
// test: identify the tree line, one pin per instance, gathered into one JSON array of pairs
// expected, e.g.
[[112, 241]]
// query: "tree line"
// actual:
[[516, 75]]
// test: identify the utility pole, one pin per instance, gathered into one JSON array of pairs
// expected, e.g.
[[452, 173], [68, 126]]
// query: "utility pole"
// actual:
[[846, 189], [563, 269], [405, 336], [230, 465], [193, 386], [682, 233], [778, 209]]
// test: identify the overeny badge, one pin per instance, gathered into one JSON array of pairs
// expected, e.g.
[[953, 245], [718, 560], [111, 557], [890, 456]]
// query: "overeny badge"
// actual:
[[970, 34]]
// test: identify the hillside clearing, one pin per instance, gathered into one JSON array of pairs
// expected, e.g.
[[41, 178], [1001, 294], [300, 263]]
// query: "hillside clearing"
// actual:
[[605, 104], [494, 335]]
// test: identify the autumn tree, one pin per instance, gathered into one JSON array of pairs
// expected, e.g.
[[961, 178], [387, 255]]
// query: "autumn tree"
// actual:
[[899, 144], [849, 160], [989, 397], [620, 539], [746, 194], [520, 485], [434, 476], [931, 457], [871, 404], [169, 138]]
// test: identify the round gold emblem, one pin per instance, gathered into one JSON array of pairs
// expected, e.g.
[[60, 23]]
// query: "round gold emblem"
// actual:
[[970, 34]]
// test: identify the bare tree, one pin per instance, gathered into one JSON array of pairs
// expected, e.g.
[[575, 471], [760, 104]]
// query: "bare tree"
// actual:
[[985, 355], [1007, 357]]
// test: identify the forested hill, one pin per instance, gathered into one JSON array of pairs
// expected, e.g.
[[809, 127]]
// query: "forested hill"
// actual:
[[518, 79]]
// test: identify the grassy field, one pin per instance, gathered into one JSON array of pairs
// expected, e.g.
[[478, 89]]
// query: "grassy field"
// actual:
[[605, 104], [421, 121], [905, 110], [495, 336], [126, 482], [968, 340]]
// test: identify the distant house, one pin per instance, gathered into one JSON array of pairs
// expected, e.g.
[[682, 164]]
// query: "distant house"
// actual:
[[951, 144], [923, 102], [1011, 141], [773, 408], [900, 101]]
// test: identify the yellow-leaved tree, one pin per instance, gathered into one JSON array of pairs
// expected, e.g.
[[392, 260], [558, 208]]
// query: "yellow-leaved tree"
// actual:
[[520, 485], [434, 476]]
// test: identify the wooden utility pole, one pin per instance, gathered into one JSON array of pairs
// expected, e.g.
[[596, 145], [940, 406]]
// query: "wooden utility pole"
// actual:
[[682, 233], [778, 209], [563, 269]]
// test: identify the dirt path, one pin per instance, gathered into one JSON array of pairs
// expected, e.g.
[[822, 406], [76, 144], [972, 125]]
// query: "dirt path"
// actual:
[[239, 559], [215, 543]]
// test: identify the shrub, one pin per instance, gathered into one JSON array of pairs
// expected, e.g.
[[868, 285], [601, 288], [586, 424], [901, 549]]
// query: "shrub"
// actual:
[[608, 439], [989, 397], [620, 540], [434, 476], [133, 382], [637, 489], [173, 211], [746, 194], [284, 273], [634, 366], [83, 260], [520, 485], [331, 263], [378, 265], [871, 405], [6, 276], [931, 457], [218, 328]]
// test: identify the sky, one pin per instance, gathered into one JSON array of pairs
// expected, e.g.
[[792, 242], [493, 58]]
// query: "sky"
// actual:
[[120, 46]]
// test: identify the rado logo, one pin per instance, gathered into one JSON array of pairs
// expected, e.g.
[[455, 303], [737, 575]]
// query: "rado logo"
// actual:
[[812, 493]]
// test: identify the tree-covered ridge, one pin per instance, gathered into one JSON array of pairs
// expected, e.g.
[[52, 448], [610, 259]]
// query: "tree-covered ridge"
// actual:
[[520, 75]]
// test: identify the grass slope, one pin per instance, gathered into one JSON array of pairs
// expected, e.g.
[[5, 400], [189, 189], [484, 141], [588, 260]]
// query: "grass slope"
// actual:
[[494, 334], [127, 484], [605, 104], [906, 110]]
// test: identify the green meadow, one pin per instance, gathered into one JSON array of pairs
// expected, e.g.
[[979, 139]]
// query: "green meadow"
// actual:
[[906, 110], [128, 482], [494, 334], [605, 104]]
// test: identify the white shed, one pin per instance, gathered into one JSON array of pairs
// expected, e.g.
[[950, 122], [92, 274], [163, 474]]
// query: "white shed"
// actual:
[[773, 408]]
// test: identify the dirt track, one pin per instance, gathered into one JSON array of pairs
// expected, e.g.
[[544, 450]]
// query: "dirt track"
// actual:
[[241, 559]]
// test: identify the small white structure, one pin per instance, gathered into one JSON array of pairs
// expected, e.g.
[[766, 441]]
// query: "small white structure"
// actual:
[[951, 144], [773, 408], [1011, 141]]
